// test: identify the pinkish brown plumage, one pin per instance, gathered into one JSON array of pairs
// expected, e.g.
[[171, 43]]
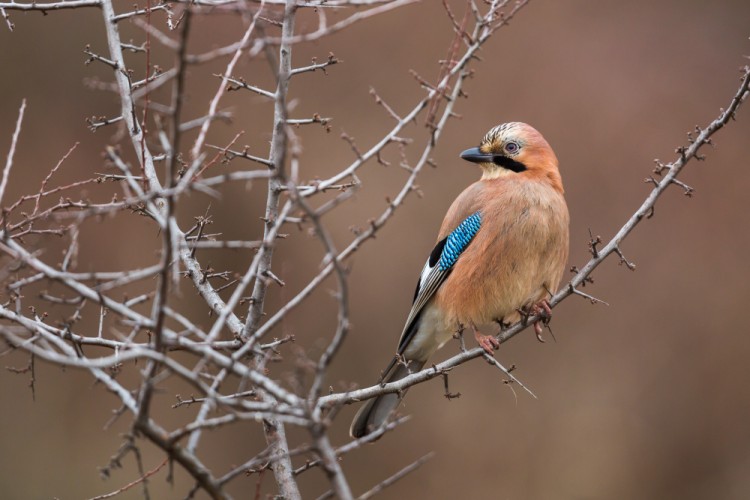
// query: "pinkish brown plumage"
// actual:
[[525, 215], [482, 273]]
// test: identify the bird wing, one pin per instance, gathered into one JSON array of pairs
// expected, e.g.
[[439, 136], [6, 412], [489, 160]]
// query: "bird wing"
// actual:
[[436, 270]]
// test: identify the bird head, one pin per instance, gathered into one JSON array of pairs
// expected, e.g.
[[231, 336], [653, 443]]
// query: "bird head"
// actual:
[[515, 149]]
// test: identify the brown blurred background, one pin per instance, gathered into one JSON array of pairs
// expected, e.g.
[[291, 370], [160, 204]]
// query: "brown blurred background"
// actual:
[[646, 398]]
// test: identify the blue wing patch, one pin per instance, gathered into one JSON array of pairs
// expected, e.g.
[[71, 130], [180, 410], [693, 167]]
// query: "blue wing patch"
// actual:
[[436, 270], [458, 240]]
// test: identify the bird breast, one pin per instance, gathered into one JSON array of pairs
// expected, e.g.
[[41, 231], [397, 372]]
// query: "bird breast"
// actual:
[[516, 258]]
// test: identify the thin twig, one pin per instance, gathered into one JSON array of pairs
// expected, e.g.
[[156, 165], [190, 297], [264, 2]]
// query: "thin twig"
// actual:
[[397, 476], [134, 483], [12, 152], [220, 91]]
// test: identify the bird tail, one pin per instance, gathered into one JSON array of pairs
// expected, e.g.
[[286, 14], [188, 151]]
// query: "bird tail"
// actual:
[[377, 410]]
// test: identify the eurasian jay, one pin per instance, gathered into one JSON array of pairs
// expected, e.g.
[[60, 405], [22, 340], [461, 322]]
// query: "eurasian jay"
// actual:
[[500, 254]]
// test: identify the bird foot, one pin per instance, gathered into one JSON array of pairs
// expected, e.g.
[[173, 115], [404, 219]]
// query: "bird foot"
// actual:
[[488, 342]]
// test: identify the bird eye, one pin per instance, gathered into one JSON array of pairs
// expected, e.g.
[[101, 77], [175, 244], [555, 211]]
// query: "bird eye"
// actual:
[[511, 147]]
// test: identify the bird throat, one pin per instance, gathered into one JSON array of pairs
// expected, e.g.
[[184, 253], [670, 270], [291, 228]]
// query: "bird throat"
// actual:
[[491, 171]]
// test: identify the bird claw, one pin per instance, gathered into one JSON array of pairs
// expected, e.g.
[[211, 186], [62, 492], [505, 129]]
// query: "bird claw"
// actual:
[[488, 342], [543, 310], [538, 331], [547, 309]]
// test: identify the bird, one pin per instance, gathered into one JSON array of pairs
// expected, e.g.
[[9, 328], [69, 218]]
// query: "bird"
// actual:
[[500, 255]]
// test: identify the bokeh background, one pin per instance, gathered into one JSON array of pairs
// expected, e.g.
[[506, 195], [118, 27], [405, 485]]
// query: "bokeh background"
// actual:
[[648, 397]]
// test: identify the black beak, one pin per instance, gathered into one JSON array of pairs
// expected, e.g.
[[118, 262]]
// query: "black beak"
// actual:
[[474, 155]]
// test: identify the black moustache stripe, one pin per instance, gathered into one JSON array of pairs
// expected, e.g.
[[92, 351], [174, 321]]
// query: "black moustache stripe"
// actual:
[[509, 163]]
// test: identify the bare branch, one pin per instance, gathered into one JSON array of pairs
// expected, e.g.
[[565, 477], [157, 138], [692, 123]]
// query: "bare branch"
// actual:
[[44, 7], [12, 151], [220, 91], [141, 479], [397, 476]]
